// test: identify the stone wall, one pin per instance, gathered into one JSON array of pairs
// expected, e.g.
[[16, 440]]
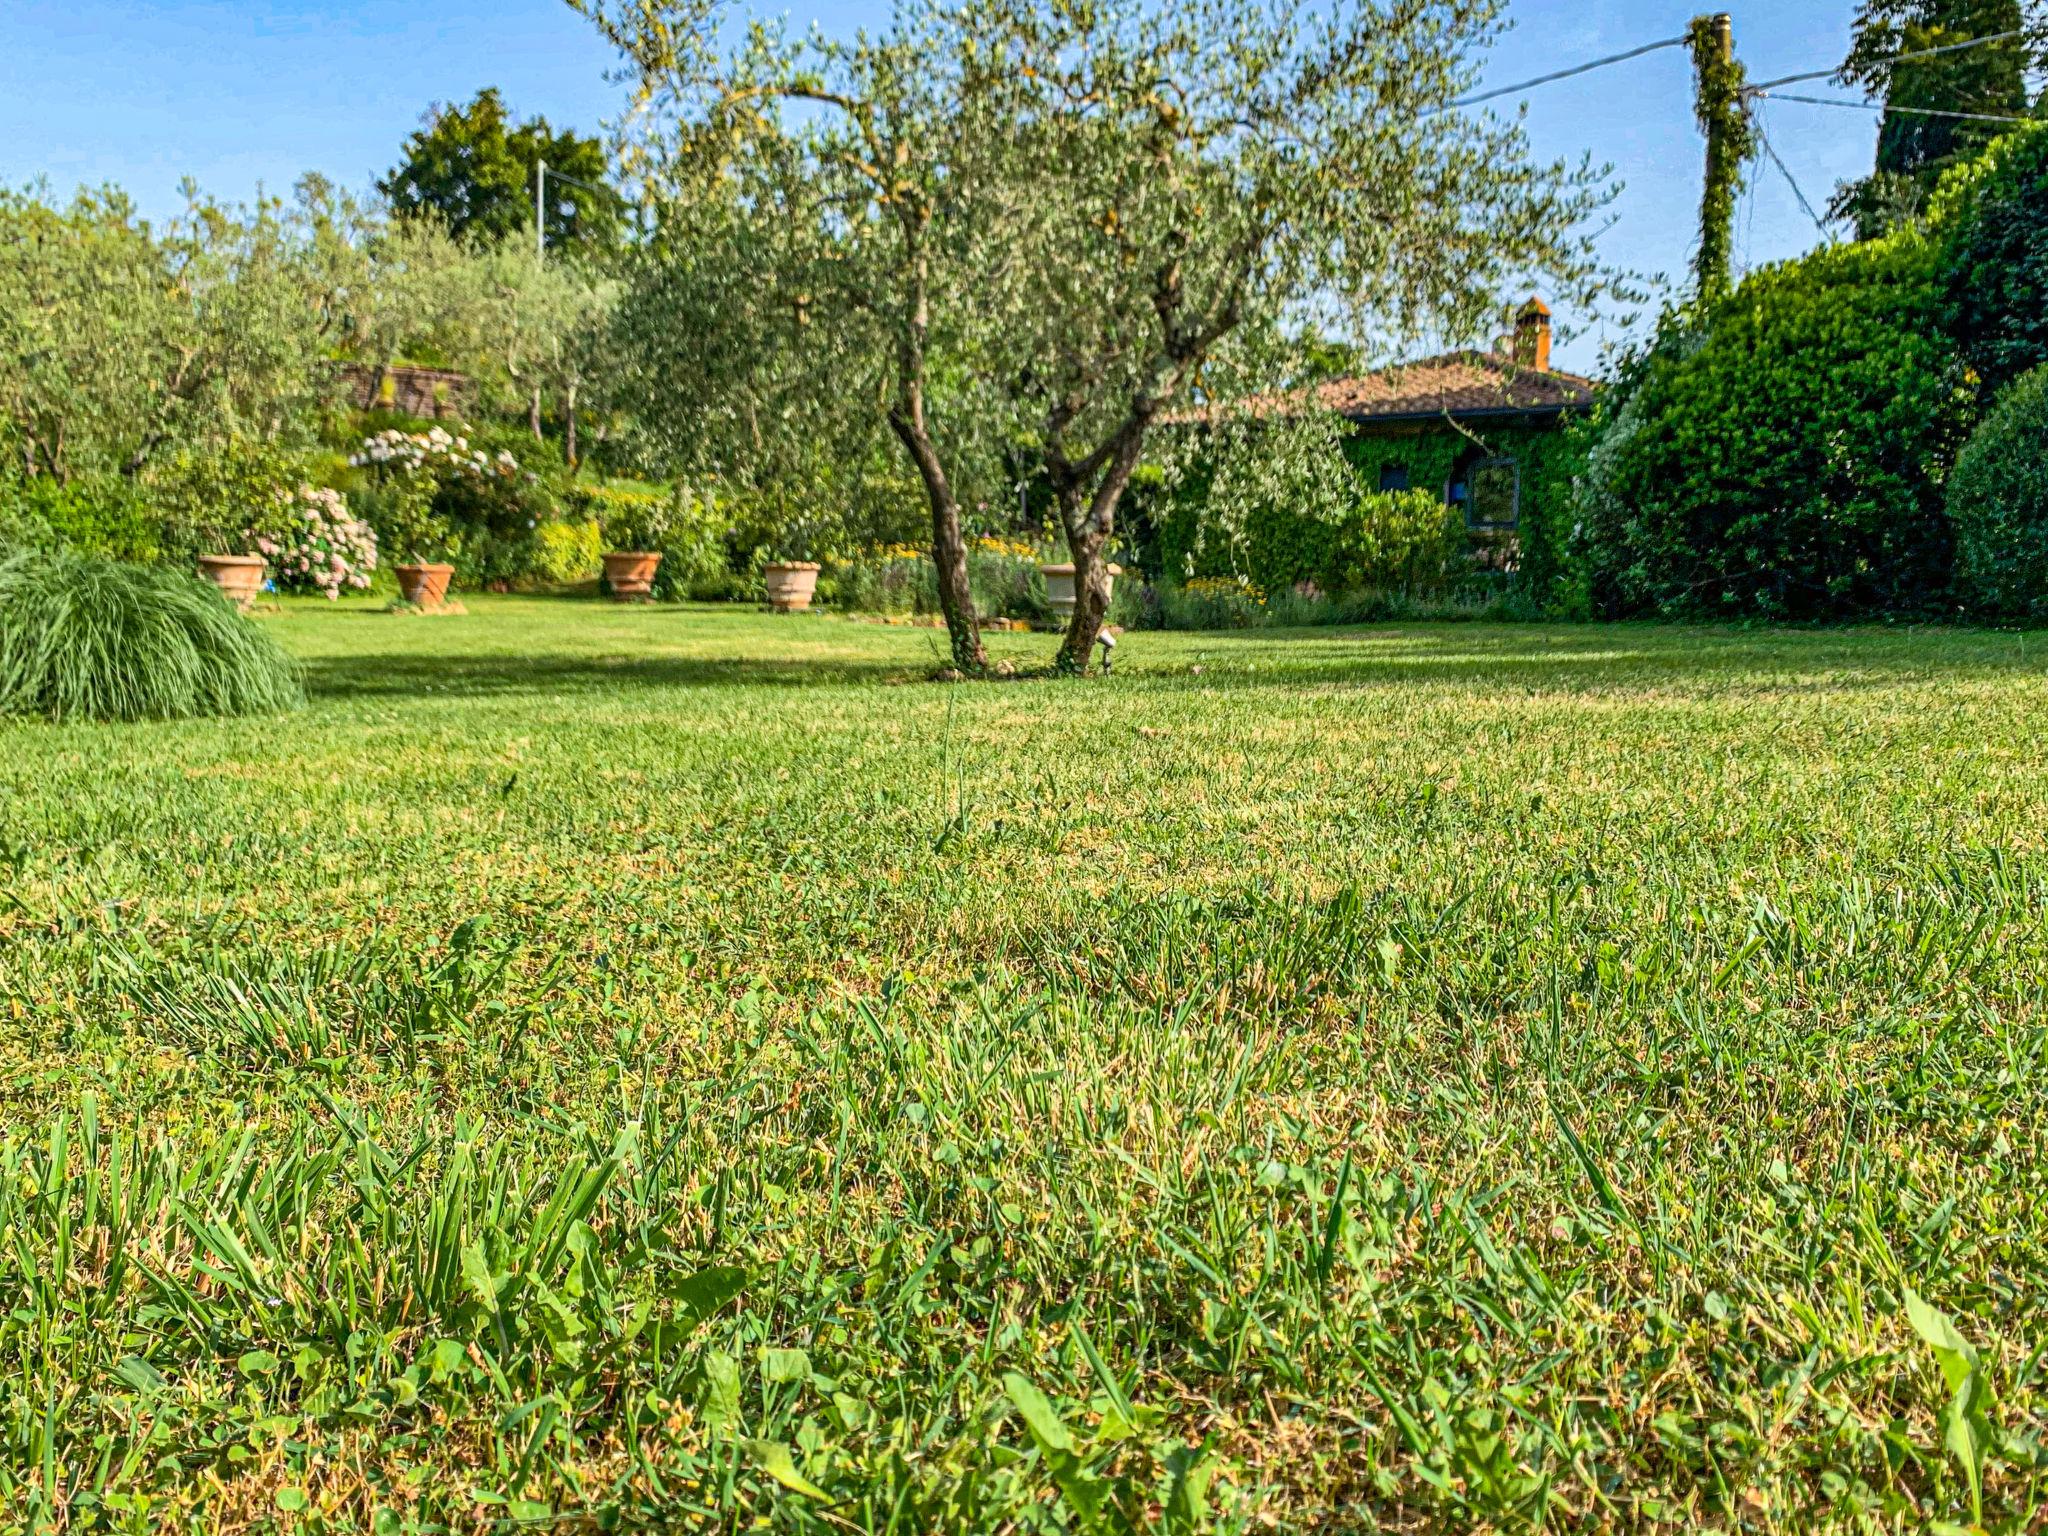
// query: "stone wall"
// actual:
[[435, 393]]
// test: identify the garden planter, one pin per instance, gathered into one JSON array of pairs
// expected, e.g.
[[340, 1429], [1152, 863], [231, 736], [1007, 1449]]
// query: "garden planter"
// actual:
[[791, 584], [1059, 586], [630, 574], [424, 586], [239, 577]]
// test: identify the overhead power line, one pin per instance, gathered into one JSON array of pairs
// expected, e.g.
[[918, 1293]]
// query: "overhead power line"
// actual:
[[1897, 58], [1565, 74], [1792, 181], [1871, 106]]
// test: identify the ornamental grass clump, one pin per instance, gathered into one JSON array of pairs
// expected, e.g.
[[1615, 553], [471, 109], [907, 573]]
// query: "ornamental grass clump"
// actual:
[[90, 639]]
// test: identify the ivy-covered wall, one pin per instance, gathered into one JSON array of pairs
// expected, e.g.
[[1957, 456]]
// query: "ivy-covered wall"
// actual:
[[1281, 548]]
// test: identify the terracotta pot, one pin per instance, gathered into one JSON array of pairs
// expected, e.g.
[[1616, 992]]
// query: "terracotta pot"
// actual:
[[239, 577], [791, 584], [630, 574], [424, 585], [1059, 586]]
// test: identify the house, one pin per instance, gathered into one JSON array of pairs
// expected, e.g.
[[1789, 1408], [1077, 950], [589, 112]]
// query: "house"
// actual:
[[1481, 427]]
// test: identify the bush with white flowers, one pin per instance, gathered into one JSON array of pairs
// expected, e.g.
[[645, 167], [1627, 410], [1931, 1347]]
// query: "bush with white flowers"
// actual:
[[321, 546], [431, 452]]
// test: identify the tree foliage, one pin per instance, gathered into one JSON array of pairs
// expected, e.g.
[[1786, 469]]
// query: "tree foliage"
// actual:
[[1785, 460], [1046, 227], [1915, 143], [1992, 218], [472, 169], [118, 342]]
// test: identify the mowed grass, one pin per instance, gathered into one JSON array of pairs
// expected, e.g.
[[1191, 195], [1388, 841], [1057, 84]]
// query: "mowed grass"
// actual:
[[678, 1068]]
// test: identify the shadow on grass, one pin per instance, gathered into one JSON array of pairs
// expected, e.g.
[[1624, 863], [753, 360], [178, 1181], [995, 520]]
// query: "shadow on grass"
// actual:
[[1601, 658], [1591, 659], [473, 676]]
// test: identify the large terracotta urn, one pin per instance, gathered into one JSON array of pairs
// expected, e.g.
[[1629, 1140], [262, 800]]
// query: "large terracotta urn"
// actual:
[[1059, 586], [791, 584], [424, 585], [239, 577], [630, 573]]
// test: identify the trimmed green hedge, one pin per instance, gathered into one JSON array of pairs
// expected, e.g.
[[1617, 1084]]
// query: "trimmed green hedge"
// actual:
[[1789, 462], [1998, 502], [1993, 220]]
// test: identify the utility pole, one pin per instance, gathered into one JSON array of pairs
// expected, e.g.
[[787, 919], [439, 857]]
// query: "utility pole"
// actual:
[[540, 221], [1722, 107]]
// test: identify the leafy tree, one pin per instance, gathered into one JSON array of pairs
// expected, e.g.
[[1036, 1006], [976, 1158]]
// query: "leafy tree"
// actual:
[[474, 171], [383, 288], [1046, 227], [527, 328], [118, 343], [1916, 144], [1992, 220]]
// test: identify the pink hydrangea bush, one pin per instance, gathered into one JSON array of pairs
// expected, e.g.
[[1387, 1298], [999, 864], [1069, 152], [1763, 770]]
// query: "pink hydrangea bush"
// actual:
[[321, 545]]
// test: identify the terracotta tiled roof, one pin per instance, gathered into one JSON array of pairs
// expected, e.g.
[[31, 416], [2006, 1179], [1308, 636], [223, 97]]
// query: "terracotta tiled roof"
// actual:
[[1461, 383]]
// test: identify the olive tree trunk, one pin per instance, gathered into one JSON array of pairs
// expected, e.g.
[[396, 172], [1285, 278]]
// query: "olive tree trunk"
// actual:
[[949, 543]]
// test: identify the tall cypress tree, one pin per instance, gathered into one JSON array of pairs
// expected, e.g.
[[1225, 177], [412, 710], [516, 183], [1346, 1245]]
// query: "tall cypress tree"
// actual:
[[1913, 147]]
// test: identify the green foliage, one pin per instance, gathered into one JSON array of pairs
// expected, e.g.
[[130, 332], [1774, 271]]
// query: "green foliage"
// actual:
[[1998, 503], [1327, 527], [1209, 602], [1404, 541], [120, 345], [1942, 111], [93, 515], [1723, 114], [1003, 575], [632, 518], [1992, 220], [1966, 1419], [568, 550], [82, 638], [469, 170], [1788, 462], [689, 528], [465, 497], [220, 498]]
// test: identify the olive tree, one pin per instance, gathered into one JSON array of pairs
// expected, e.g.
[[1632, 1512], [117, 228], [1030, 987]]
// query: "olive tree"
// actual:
[[118, 341], [1054, 226]]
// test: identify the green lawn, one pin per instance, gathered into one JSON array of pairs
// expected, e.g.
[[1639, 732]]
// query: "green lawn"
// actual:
[[668, 1066]]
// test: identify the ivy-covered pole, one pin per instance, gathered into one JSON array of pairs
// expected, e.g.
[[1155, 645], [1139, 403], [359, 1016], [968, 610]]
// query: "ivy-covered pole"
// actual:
[[1723, 111]]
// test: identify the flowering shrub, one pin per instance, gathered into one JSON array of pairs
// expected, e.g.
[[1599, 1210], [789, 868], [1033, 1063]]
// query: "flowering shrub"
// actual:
[[432, 452], [322, 547], [438, 495], [1212, 602]]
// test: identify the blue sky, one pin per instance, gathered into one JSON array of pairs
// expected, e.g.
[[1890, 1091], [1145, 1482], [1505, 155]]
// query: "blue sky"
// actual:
[[246, 93]]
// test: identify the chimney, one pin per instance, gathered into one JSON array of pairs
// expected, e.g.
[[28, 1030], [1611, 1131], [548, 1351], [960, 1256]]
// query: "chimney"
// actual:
[[1532, 336]]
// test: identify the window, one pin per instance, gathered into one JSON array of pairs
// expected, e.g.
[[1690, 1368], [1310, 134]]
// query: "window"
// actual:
[[1488, 491], [1393, 477]]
